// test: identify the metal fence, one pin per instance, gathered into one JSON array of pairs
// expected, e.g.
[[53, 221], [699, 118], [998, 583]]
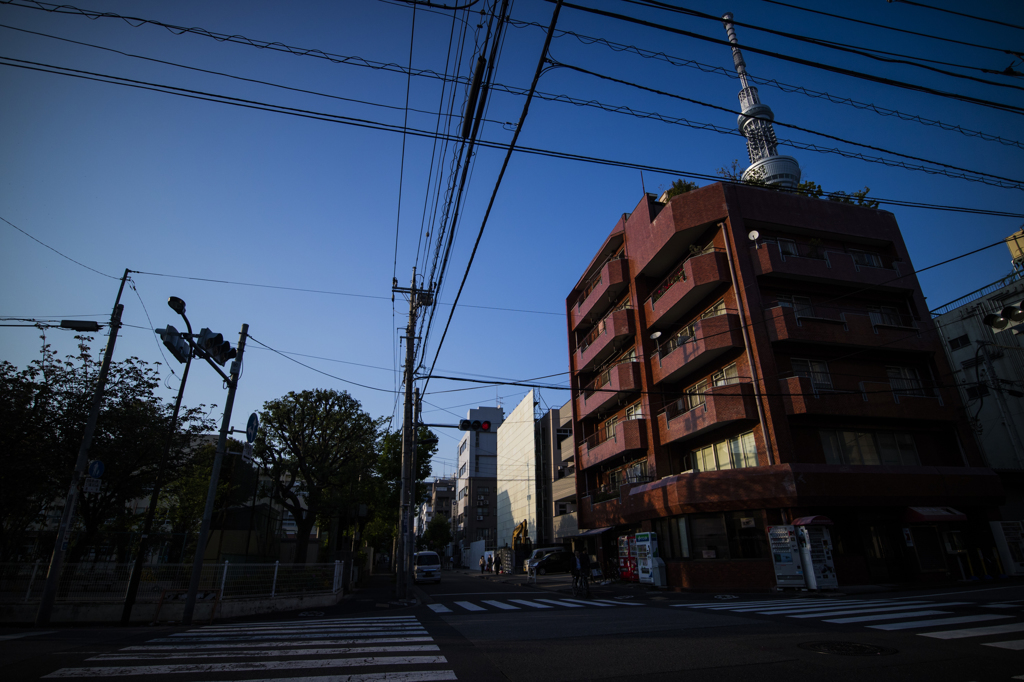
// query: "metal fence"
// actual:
[[97, 582]]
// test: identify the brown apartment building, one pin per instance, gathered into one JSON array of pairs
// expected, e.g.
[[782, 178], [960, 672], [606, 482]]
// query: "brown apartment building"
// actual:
[[743, 357]]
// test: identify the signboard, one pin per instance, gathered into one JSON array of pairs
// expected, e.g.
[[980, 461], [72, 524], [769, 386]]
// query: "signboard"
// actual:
[[91, 485], [251, 427], [789, 568], [96, 468], [247, 453]]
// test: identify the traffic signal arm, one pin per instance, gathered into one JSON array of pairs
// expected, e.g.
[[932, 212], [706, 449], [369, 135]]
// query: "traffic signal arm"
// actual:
[[201, 353]]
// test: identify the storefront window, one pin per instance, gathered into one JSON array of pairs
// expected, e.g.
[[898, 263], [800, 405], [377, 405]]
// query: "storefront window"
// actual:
[[673, 538], [710, 537]]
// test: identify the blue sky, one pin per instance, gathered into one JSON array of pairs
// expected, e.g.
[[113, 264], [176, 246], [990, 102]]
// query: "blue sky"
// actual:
[[117, 177]]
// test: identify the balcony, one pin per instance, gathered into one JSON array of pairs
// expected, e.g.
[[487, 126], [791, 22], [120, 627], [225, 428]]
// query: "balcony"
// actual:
[[604, 339], [628, 436], [610, 389], [600, 292], [838, 327], [563, 488], [692, 280], [680, 356], [874, 399], [723, 405], [820, 265]]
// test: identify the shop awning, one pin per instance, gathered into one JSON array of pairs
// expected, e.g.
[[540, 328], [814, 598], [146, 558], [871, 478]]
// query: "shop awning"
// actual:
[[592, 531], [816, 520], [932, 515]]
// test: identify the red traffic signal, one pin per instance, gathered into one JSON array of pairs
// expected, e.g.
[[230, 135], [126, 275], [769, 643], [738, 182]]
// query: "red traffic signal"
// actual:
[[475, 425]]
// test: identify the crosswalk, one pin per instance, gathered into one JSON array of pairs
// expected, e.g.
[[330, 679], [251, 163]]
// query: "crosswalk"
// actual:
[[327, 650], [930, 617], [533, 603]]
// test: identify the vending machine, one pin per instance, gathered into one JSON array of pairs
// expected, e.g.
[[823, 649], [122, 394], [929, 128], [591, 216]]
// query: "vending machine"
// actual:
[[646, 552], [816, 551], [789, 567], [627, 557]]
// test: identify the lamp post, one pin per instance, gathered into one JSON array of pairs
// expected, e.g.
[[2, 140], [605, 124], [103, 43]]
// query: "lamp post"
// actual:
[[178, 306]]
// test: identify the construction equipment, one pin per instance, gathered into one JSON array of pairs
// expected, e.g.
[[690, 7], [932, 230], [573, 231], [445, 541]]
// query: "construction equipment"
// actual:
[[519, 535]]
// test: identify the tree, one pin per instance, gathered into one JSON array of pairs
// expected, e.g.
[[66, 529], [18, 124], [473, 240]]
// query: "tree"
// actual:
[[314, 444], [438, 533], [812, 189], [680, 186], [42, 419]]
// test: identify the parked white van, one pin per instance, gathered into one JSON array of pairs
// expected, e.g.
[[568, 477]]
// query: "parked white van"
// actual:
[[426, 566]]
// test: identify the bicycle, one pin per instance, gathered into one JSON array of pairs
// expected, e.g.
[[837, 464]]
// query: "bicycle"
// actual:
[[581, 586]]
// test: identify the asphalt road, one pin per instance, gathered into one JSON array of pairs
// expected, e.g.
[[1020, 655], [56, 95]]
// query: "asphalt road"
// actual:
[[494, 628]]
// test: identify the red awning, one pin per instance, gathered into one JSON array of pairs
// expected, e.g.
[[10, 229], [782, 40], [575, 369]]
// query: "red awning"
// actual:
[[932, 515], [816, 520]]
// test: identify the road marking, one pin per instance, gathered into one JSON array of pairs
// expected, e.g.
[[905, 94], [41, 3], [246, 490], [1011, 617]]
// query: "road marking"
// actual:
[[615, 603], [418, 630], [272, 623], [1000, 606], [293, 625], [976, 632], [264, 645], [530, 603], [561, 603], [1014, 645], [587, 603], [199, 668], [816, 607], [764, 604], [887, 616], [322, 628], [416, 676], [470, 606], [439, 608], [501, 605], [935, 622], [287, 652], [26, 634], [850, 612]]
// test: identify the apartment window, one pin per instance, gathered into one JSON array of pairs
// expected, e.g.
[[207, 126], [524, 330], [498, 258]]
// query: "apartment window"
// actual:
[[485, 490], [960, 342], [608, 428], [905, 381], [815, 370], [726, 375], [866, 258], [801, 305], [734, 453], [975, 392], [714, 311], [869, 448], [463, 445], [628, 356], [694, 396], [635, 411], [463, 493], [888, 315], [482, 511], [787, 247], [462, 471], [624, 304]]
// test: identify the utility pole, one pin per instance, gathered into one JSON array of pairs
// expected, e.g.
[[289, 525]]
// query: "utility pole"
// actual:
[[403, 559], [1011, 429], [412, 489], [211, 493], [67, 518]]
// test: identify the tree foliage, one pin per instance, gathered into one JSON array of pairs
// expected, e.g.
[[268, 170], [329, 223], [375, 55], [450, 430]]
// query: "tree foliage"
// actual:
[[680, 186], [807, 188], [316, 445], [43, 411], [438, 533]]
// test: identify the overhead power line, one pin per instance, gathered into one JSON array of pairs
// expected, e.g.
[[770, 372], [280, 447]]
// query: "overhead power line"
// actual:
[[944, 169], [959, 14], [804, 62], [771, 82], [896, 28], [62, 255]]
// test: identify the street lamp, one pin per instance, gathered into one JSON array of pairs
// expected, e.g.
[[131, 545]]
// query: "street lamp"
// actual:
[[178, 306]]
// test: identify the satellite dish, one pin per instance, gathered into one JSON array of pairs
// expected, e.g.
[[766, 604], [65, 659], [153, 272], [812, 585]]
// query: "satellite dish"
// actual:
[[753, 235]]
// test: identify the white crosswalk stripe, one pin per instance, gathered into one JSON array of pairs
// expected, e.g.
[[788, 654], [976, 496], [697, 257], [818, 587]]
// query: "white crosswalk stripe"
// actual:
[[873, 613], [470, 606], [500, 605], [534, 602], [272, 648]]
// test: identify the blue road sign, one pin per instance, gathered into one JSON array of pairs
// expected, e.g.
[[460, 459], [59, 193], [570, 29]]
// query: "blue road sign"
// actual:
[[252, 427], [96, 468]]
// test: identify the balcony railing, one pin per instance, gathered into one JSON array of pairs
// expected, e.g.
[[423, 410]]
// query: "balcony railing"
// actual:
[[593, 334], [834, 314], [595, 281], [696, 400], [603, 379], [677, 275], [607, 433]]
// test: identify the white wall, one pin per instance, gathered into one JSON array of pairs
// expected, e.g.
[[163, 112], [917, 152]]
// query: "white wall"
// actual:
[[517, 472]]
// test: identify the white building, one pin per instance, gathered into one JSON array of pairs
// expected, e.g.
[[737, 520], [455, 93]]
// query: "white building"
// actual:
[[473, 517]]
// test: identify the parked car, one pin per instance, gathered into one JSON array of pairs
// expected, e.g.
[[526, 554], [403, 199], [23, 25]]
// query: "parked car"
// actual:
[[537, 554], [553, 562], [426, 566]]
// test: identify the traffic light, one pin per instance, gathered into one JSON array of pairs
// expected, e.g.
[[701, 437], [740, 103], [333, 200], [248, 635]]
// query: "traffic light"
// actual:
[[219, 350], [1010, 315], [475, 425], [175, 343]]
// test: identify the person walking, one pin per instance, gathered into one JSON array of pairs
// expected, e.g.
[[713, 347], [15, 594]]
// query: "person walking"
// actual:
[[490, 563], [497, 564], [482, 563]]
